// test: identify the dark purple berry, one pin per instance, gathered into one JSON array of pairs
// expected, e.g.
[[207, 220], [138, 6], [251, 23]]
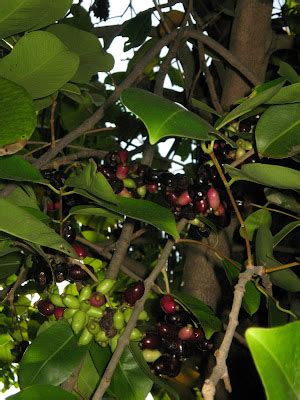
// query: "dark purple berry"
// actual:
[[80, 250], [167, 330], [76, 273], [61, 272], [112, 159], [151, 341], [168, 304], [69, 233], [45, 307], [59, 312], [166, 365], [134, 293], [177, 347], [179, 318]]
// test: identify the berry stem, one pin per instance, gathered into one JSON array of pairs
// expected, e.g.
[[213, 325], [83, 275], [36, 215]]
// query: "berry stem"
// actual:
[[166, 279], [281, 267], [82, 266], [236, 210]]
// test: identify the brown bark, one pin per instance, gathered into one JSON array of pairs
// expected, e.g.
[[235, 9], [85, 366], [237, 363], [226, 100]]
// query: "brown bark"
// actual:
[[250, 41]]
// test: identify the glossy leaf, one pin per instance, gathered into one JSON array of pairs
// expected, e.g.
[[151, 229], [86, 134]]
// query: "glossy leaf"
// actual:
[[100, 356], [285, 279], [40, 63], [93, 182], [278, 131], [92, 210], [23, 195], [38, 392], [158, 381], [251, 299], [129, 382], [286, 95], [203, 106], [52, 356], [17, 115], [283, 200], [288, 72], [88, 378], [17, 222], [276, 353], [253, 101], [137, 30], [15, 168], [24, 15], [9, 264], [86, 45], [285, 231], [209, 322], [164, 118], [255, 220]]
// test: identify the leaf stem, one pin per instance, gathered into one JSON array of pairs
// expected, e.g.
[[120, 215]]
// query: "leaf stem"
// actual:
[[281, 267]]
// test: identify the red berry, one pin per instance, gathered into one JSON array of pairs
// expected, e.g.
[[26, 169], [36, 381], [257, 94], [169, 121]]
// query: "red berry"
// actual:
[[45, 307], [123, 155], [185, 333], [97, 299], [50, 206], [213, 198], [80, 251], [152, 187], [134, 293], [168, 304], [122, 171], [172, 198], [59, 312], [202, 206], [57, 205], [220, 211], [184, 199]]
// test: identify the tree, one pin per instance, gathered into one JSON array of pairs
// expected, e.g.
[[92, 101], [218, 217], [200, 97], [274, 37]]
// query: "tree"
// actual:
[[159, 268]]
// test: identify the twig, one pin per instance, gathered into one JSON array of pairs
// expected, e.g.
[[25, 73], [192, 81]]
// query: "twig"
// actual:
[[124, 338], [74, 157], [275, 210], [18, 282], [281, 267], [238, 337], [52, 123]]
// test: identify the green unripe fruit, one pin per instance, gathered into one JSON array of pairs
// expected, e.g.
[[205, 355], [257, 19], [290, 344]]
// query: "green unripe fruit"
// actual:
[[118, 320], [248, 145], [56, 300], [70, 301], [93, 327], [101, 337], [78, 321], [85, 338], [129, 183], [240, 152], [143, 316], [71, 289], [127, 314], [69, 312], [114, 342], [95, 312], [85, 293], [85, 305], [240, 143], [142, 190], [136, 334], [151, 355], [105, 286]]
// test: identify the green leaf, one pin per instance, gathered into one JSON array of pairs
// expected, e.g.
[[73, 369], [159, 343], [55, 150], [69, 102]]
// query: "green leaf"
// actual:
[[43, 102], [100, 356], [255, 220], [93, 182], [209, 322], [275, 316], [47, 392], [278, 131], [276, 353], [72, 91], [284, 232], [287, 94], [283, 200], [86, 45], [15, 168], [137, 30], [251, 299], [24, 15], [288, 72], [164, 118], [9, 264], [203, 106], [17, 115], [129, 382], [285, 279], [52, 356], [87, 379], [161, 383], [17, 222], [40, 63], [92, 210], [268, 175], [253, 101]]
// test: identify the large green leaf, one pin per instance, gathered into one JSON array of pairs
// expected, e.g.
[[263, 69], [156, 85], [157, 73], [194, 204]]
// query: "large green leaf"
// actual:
[[285, 231], [276, 353], [283, 200], [88, 378], [285, 279], [92, 210], [288, 72], [47, 392], [17, 222], [253, 101], [255, 220], [93, 182], [17, 115], [92, 57], [9, 264], [278, 131], [129, 382], [164, 118], [15, 168], [268, 175], [24, 15], [251, 299], [287, 94], [40, 63], [52, 356], [209, 322]]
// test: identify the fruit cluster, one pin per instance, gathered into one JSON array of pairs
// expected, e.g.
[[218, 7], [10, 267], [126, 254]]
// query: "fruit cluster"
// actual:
[[91, 315], [175, 338]]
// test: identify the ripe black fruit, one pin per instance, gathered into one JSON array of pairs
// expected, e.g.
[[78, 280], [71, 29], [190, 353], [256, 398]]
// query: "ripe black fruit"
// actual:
[[69, 233], [166, 365], [78, 274], [151, 341], [134, 293], [45, 307]]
